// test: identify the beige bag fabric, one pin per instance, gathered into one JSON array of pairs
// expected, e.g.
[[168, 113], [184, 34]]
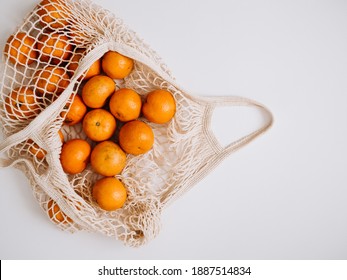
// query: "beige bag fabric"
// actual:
[[185, 149]]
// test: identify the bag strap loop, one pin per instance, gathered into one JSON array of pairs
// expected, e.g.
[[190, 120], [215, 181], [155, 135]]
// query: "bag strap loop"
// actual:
[[224, 101]]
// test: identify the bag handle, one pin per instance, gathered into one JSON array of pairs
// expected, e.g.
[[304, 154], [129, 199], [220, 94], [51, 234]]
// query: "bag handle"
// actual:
[[224, 101], [211, 103]]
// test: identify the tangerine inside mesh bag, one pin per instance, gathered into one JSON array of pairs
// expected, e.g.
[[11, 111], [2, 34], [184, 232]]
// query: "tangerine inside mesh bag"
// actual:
[[46, 64]]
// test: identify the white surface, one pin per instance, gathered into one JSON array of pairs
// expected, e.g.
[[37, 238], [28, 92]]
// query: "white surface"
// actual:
[[281, 197]]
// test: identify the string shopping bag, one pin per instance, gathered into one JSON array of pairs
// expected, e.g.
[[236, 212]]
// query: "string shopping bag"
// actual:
[[37, 89]]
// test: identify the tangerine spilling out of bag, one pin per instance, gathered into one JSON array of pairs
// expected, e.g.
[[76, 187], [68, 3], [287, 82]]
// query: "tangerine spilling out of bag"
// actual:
[[94, 118]]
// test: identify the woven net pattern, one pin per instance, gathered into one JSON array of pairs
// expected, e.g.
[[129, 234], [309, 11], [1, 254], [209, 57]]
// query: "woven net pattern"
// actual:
[[182, 147]]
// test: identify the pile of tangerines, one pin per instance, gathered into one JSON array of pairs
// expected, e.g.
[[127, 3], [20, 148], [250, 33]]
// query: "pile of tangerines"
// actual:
[[112, 118]]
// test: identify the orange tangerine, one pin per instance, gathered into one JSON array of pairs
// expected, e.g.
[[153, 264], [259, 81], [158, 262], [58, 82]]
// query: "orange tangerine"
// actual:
[[51, 80], [75, 155], [117, 66], [53, 13], [54, 48], [76, 111], [93, 70], [125, 104], [36, 150], [99, 125], [21, 48], [96, 91], [55, 214], [136, 137], [159, 107], [61, 135], [22, 104], [109, 193], [107, 158]]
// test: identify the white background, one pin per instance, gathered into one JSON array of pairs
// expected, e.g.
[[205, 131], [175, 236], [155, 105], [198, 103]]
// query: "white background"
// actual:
[[281, 197]]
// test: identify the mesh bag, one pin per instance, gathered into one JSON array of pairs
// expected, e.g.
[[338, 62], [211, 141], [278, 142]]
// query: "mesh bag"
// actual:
[[36, 89]]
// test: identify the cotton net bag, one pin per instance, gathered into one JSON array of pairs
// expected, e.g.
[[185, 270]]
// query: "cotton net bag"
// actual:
[[184, 151]]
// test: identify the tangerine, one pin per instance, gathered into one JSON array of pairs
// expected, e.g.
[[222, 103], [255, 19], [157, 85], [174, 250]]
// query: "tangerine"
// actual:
[[55, 214], [109, 193], [99, 125], [136, 137], [159, 107], [22, 104], [125, 104], [53, 13], [54, 48], [61, 136], [76, 111], [96, 91], [93, 70], [37, 151], [21, 48], [51, 80], [117, 66], [107, 159], [75, 155]]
